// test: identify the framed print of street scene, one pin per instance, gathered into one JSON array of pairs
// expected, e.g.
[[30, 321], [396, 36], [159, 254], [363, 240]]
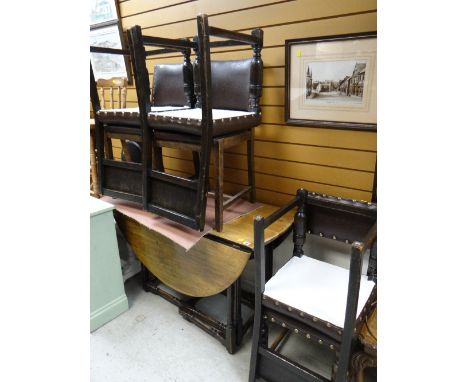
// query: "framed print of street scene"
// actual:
[[332, 81]]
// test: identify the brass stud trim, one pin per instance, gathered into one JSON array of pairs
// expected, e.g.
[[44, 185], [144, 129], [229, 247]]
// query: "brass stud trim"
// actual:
[[328, 325], [320, 342], [283, 325], [289, 309], [314, 319], [296, 331], [308, 336], [332, 347]]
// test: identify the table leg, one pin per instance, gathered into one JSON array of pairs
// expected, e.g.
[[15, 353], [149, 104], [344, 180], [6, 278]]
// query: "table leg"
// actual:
[[231, 330], [94, 174]]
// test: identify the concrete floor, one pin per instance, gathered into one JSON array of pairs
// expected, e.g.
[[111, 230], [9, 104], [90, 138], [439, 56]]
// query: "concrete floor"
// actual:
[[152, 342]]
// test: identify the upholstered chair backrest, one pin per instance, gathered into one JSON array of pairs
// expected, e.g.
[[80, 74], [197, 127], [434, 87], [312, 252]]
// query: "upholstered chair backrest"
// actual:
[[172, 85], [231, 84]]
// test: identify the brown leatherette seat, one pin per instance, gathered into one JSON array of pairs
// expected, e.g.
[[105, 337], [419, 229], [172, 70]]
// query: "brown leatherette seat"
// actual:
[[168, 94]]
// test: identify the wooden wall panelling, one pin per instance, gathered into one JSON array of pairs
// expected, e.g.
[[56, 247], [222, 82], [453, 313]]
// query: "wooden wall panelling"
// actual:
[[185, 13], [331, 161], [246, 17], [315, 174]]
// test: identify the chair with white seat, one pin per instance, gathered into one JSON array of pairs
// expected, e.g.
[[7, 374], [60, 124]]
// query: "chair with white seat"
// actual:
[[320, 302], [227, 109], [172, 90]]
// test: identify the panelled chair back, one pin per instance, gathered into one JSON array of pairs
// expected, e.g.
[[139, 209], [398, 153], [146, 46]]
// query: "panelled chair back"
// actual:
[[323, 303], [203, 128], [125, 179]]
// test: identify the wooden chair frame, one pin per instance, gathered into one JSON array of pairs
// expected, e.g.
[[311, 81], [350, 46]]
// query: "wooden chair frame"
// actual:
[[116, 179], [127, 175], [177, 198], [330, 222]]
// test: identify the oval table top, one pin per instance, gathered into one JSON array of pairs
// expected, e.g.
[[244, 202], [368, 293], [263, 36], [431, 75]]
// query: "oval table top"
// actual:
[[208, 267]]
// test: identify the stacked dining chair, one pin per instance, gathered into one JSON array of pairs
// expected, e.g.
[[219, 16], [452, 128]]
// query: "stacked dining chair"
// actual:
[[123, 179], [205, 109]]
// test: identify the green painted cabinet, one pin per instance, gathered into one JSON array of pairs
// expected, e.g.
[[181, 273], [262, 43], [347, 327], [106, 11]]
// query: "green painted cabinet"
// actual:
[[108, 298]]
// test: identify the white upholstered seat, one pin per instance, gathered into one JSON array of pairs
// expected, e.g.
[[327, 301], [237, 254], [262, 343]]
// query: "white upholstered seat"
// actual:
[[316, 288], [189, 121], [132, 113], [197, 114]]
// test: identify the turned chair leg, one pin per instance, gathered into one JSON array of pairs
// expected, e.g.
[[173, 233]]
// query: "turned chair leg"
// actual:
[[251, 167], [218, 158]]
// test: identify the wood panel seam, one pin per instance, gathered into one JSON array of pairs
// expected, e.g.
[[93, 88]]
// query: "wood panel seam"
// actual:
[[157, 9], [220, 13]]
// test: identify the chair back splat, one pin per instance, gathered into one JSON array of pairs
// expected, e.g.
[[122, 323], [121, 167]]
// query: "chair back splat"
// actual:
[[322, 303]]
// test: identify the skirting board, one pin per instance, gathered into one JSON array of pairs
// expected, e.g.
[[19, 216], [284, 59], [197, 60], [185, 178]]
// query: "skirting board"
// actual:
[[108, 312]]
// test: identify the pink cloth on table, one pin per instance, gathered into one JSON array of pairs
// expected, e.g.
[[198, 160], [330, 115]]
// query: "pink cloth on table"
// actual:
[[185, 236]]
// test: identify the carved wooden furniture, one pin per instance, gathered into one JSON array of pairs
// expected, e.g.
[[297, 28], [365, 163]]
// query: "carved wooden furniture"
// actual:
[[320, 302], [226, 110], [126, 179], [116, 178], [189, 278], [368, 338], [116, 89]]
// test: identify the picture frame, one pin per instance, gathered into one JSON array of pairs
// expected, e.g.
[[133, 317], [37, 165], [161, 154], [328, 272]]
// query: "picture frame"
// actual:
[[106, 31], [331, 81]]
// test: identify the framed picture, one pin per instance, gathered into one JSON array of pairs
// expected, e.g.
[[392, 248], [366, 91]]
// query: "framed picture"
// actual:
[[102, 11], [332, 81], [106, 31]]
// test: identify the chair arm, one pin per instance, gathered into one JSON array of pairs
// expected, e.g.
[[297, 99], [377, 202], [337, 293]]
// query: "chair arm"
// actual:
[[370, 237], [260, 223], [269, 220]]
